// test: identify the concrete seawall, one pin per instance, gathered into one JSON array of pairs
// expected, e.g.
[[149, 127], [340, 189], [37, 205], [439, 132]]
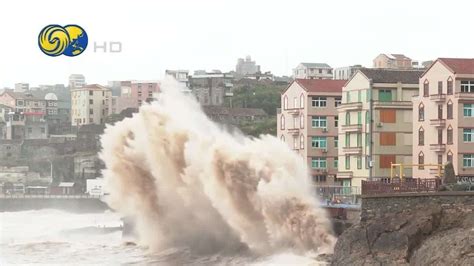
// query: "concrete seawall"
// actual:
[[76, 205]]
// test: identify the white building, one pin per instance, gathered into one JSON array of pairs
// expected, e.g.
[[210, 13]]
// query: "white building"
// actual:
[[22, 87], [90, 105], [312, 71], [246, 67], [76, 81], [346, 72]]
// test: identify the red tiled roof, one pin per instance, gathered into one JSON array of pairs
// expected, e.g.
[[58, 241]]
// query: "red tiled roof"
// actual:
[[321, 85], [459, 65]]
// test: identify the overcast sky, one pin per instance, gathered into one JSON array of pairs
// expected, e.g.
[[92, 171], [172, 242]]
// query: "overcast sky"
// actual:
[[159, 35]]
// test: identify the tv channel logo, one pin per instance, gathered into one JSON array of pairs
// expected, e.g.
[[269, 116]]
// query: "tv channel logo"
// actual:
[[55, 40]]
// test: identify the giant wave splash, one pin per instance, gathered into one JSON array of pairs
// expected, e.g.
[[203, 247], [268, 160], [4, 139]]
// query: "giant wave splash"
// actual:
[[187, 182]]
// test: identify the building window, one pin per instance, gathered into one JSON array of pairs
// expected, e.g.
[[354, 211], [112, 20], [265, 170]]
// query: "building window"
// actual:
[[440, 87], [388, 115], [367, 139], [348, 97], [359, 96], [336, 162], [336, 121], [426, 89], [367, 117], [336, 142], [440, 136], [421, 112], [91, 93], [450, 135], [348, 139], [468, 110], [319, 142], [440, 159], [359, 139], [301, 121], [91, 120], [385, 95], [43, 130], [91, 111], [468, 160], [91, 101], [318, 163], [302, 101], [359, 162], [295, 122], [319, 122], [388, 138], [285, 103], [449, 157], [359, 118], [282, 138], [337, 101], [386, 161], [421, 161], [295, 102], [301, 141], [295, 142], [467, 86], [319, 178], [468, 135], [282, 122], [450, 86], [348, 118], [440, 111], [30, 130], [318, 101], [367, 95], [449, 111], [348, 162]]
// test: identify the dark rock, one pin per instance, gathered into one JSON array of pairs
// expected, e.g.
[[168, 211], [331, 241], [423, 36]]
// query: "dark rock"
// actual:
[[421, 235]]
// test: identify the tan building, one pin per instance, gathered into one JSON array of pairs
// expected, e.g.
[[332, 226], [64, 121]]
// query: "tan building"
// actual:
[[392, 61], [90, 105], [369, 146], [308, 122], [444, 119]]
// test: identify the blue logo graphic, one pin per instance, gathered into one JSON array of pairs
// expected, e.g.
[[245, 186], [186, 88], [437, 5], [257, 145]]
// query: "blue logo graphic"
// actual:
[[55, 40]]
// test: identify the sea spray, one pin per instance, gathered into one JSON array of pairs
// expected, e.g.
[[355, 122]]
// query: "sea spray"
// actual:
[[186, 182]]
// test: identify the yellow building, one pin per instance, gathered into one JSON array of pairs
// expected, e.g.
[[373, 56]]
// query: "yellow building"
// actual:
[[90, 105]]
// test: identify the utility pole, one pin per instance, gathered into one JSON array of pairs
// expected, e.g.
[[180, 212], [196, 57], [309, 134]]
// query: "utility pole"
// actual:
[[371, 135]]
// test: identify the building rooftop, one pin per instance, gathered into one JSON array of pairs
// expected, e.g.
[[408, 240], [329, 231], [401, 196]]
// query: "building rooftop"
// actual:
[[316, 65], [379, 75], [459, 65], [236, 111], [321, 85], [91, 87]]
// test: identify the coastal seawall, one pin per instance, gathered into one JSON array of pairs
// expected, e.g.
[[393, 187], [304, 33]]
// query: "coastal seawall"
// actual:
[[69, 203]]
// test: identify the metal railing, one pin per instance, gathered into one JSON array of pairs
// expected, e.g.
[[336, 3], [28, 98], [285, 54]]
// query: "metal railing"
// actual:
[[338, 194], [48, 196], [400, 186]]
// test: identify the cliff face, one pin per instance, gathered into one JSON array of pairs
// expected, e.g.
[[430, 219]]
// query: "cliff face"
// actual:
[[416, 231]]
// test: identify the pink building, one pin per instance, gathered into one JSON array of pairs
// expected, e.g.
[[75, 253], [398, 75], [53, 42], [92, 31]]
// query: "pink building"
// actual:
[[443, 118], [135, 93]]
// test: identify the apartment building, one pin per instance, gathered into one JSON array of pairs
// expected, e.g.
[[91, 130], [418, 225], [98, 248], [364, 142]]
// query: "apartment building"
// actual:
[[76, 81], [246, 67], [312, 71], [392, 61], [135, 93], [375, 126], [308, 122], [210, 88], [443, 123], [90, 105], [346, 72]]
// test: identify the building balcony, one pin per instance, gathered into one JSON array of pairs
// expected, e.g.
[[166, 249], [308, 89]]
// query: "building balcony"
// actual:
[[352, 150], [351, 128], [294, 131], [438, 97], [464, 95], [351, 106], [438, 122], [393, 104], [438, 147], [293, 111], [345, 174]]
